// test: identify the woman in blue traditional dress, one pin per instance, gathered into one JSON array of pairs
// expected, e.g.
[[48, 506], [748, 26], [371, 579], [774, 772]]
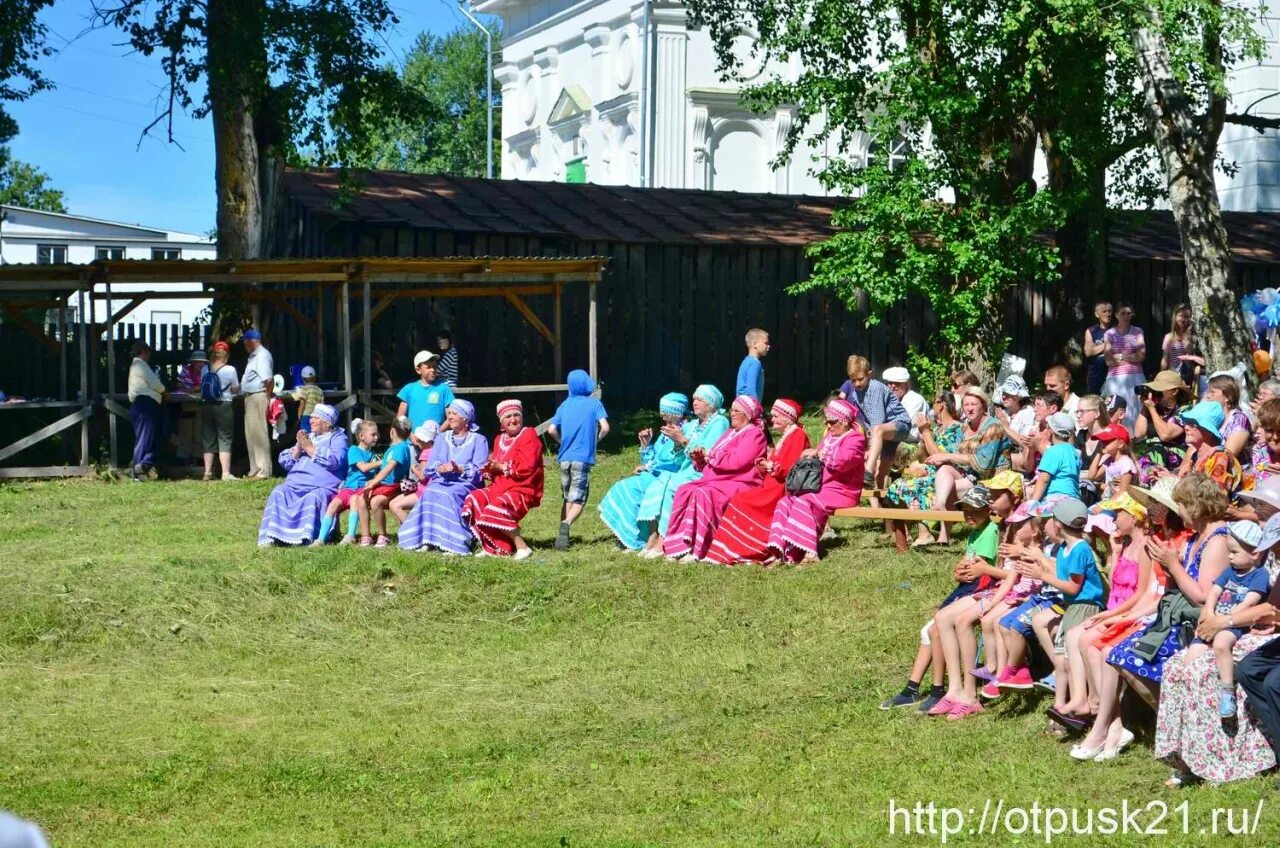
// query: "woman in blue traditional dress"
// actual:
[[698, 435], [452, 472], [621, 504], [314, 469]]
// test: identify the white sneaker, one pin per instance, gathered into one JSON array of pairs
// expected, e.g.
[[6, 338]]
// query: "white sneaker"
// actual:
[[523, 553], [687, 558], [652, 553]]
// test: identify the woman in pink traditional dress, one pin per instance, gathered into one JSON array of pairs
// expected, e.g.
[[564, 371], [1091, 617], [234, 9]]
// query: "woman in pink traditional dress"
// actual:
[[743, 532], [514, 472], [799, 520], [731, 466]]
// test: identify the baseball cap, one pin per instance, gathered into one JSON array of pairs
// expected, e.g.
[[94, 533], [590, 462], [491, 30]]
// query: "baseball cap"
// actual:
[[1124, 503], [978, 497], [423, 356], [308, 373], [1113, 433], [221, 347], [897, 374], [1247, 533], [252, 334], [1061, 425], [1071, 512], [1006, 481]]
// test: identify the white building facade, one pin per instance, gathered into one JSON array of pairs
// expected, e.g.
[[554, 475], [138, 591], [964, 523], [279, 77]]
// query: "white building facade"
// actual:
[[574, 102], [576, 107], [30, 236]]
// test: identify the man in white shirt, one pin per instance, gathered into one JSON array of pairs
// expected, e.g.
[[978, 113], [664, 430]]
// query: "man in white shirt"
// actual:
[[256, 385], [1057, 379], [898, 379], [146, 408]]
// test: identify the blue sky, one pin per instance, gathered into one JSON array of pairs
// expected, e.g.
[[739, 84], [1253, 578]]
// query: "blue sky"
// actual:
[[85, 133]]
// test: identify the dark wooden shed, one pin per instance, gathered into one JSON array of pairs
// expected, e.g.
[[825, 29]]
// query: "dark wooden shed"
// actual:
[[688, 273]]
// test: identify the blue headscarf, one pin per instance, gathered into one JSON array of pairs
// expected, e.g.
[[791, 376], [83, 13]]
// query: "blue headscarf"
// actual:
[[710, 394], [673, 403], [580, 383], [467, 410]]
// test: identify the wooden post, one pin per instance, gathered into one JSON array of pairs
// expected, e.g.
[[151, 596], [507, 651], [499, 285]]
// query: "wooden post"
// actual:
[[592, 354], [112, 455], [62, 347], [559, 331], [319, 328], [368, 346], [344, 310], [84, 379]]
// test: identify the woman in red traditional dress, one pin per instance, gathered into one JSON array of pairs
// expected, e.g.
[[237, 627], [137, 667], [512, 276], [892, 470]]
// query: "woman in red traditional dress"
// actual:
[[743, 533], [514, 475], [731, 466], [798, 520]]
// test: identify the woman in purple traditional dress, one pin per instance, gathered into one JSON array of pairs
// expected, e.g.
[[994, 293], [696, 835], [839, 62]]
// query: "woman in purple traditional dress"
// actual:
[[314, 469], [452, 472]]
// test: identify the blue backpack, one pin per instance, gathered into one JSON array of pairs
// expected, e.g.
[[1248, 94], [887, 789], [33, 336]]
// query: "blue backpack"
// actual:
[[210, 387]]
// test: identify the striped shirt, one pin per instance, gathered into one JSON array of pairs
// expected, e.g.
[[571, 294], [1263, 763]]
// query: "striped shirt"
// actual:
[[1125, 343], [447, 367]]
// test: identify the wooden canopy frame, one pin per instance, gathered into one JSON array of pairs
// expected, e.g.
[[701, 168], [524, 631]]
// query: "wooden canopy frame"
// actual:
[[380, 282]]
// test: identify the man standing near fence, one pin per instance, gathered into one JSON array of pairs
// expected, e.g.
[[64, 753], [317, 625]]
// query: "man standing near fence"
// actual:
[[146, 406], [256, 385]]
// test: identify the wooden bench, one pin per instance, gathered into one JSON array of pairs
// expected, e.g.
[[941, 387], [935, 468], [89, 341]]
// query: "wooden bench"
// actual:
[[896, 519]]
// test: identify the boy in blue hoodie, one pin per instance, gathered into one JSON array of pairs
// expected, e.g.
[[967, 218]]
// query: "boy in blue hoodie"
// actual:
[[579, 423]]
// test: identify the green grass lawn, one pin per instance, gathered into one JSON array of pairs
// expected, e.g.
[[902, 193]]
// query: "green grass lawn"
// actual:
[[164, 682]]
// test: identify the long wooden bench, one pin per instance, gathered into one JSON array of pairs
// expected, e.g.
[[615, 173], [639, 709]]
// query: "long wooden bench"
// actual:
[[896, 519]]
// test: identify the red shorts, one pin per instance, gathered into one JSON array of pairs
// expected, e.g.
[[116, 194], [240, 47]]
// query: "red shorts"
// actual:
[[387, 491], [344, 497]]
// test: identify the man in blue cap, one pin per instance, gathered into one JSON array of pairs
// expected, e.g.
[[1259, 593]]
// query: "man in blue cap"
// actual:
[[257, 385]]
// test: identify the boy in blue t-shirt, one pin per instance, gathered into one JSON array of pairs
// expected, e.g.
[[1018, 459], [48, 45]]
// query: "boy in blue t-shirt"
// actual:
[[1243, 585], [1059, 470], [1073, 571], [579, 423], [426, 399], [751, 372]]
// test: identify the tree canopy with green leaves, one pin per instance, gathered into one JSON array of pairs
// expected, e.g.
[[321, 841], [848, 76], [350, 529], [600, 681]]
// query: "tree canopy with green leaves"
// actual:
[[278, 78], [22, 184], [445, 131], [974, 87]]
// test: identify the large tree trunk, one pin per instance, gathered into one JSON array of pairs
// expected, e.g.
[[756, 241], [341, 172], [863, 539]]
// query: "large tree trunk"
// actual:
[[248, 159], [1187, 148]]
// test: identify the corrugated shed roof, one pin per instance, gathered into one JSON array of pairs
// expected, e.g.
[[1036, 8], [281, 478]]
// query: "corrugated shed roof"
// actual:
[[583, 212], [1254, 236], [676, 216]]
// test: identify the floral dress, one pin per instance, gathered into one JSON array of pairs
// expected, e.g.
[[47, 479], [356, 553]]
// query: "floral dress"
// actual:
[[1189, 731], [917, 492]]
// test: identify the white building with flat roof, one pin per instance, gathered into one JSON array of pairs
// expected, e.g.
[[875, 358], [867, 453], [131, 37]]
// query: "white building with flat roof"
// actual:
[[31, 236], [576, 106]]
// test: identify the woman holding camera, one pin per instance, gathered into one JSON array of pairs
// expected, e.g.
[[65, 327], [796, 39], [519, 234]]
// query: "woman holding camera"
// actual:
[[1159, 439]]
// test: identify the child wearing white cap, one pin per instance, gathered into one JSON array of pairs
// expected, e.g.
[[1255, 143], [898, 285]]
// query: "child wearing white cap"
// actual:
[[429, 396], [1243, 585], [308, 395]]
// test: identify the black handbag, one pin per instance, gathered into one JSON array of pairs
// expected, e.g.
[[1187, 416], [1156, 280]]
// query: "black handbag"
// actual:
[[805, 476]]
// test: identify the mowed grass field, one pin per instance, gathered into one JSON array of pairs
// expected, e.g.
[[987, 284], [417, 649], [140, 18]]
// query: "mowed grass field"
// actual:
[[164, 682]]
